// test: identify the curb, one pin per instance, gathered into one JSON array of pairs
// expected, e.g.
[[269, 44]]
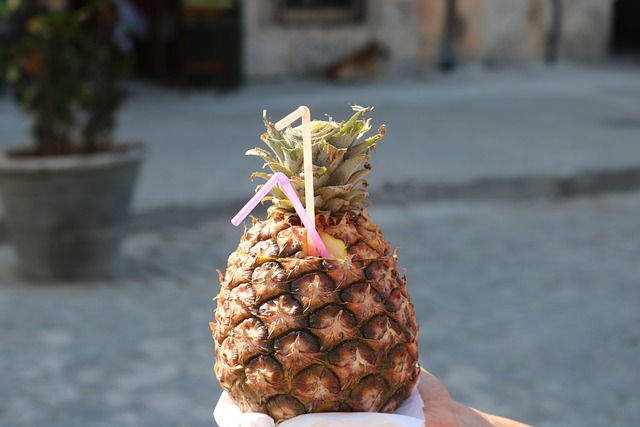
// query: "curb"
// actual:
[[520, 188]]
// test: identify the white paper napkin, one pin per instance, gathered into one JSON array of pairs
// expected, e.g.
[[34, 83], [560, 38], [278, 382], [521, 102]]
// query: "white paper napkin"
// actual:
[[409, 414]]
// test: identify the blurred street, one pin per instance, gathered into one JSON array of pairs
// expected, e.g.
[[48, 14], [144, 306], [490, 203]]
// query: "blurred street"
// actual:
[[514, 197]]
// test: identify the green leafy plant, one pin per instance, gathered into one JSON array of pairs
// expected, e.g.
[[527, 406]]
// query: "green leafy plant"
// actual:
[[64, 70]]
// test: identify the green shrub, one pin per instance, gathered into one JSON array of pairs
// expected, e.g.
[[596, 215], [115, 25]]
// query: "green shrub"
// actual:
[[64, 69]]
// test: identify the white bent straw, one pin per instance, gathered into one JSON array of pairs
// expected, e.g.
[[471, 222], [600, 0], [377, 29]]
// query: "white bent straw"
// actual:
[[282, 179], [304, 113]]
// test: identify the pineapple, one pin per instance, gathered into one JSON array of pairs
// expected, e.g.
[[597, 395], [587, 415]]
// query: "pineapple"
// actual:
[[296, 333]]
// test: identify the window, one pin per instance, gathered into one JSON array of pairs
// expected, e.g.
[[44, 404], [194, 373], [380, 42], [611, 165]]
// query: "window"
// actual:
[[319, 11]]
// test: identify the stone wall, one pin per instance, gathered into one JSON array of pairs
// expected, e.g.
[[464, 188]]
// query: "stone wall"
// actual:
[[274, 50], [521, 31], [586, 28], [514, 31], [497, 32]]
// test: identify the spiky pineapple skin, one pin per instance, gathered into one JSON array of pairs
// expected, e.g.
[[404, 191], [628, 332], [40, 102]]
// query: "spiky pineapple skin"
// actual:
[[297, 334]]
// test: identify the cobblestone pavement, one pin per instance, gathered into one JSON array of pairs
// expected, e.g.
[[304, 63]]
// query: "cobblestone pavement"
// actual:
[[530, 128], [526, 309]]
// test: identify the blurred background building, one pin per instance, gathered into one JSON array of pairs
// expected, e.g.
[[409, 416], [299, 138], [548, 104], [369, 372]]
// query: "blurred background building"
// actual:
[[256, 40], [227, 42]]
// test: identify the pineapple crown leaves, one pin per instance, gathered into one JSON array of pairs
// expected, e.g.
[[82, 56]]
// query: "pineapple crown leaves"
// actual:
[[340, 162]]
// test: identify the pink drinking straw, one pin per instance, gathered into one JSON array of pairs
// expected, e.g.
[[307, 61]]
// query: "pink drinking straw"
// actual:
[[280, 178], [303, 113]]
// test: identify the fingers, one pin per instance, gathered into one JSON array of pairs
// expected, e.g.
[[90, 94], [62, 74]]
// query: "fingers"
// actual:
[[430, 388]]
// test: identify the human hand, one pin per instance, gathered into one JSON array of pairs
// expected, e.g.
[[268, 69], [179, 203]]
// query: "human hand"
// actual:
[[440, 410]]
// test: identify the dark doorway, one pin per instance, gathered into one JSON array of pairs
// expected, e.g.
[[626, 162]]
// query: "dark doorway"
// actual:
[[191, 42], [625, 36]]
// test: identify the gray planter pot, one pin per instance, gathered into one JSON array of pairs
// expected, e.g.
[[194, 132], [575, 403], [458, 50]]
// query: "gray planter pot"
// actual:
[[66, 215]]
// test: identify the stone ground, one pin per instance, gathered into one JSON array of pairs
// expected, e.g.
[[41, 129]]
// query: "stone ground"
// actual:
[[527, 298], [527, 309], [536, 131]]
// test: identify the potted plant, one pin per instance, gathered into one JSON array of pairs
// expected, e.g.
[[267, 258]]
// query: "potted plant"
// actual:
[[66, 197]]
